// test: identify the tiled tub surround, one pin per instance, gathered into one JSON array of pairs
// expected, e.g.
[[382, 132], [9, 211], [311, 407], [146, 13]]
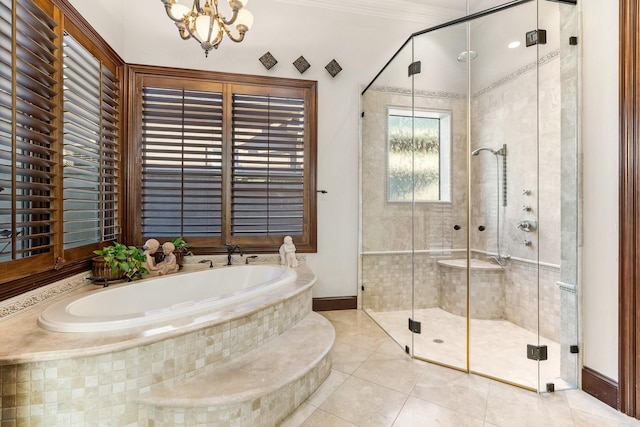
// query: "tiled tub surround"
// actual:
[[86, 379]]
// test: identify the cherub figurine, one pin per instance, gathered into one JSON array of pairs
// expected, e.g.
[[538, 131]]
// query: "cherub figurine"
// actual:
[[169, 264], [150, 247], [288, 253]]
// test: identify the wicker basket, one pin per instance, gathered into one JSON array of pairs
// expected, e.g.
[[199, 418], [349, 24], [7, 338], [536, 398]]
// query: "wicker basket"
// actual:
[[100, 270]]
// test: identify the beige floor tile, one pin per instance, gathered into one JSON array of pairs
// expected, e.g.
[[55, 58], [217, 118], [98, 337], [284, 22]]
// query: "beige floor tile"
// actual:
[[321, 418], [332, 382], [583, 419], [580, 401], [299, 416], [398, 373], [369, 368], [364, 403], [467, 394], [510, 406], [347, 358], [418, 413]]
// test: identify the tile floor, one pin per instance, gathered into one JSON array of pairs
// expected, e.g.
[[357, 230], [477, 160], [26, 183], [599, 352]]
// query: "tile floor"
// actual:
[[374, 383], [498, 347]]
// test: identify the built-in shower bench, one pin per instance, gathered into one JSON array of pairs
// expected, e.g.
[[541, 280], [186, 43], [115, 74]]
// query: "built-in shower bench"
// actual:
[[485, 288], [259, 388], [476, 264]]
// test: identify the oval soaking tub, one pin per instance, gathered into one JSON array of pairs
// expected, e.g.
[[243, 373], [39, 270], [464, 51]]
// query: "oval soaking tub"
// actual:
[[163, 298]]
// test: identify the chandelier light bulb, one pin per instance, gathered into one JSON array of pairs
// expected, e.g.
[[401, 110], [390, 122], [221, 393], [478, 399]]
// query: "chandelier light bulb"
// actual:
[[245, 18], [179, 11]]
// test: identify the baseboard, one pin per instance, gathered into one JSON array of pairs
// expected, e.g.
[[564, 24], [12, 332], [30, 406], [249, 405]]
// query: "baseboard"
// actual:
[[335, 303], [601, 387]]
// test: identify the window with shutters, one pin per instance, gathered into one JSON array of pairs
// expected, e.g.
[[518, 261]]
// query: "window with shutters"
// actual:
[[91, 157], [222, 160], [27, 136], [59, 143]]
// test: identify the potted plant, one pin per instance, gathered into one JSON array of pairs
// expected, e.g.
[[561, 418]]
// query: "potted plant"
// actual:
[[117, 261], [181, 249]]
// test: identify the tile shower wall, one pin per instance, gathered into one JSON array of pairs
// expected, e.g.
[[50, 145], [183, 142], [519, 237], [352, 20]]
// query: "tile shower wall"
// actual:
[[510, 295], [401, 226]]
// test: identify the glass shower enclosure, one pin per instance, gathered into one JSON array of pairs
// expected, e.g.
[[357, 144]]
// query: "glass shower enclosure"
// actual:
[[469, 194]]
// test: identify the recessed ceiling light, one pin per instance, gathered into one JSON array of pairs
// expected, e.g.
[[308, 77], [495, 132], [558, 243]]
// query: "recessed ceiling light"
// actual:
[[513, 45]]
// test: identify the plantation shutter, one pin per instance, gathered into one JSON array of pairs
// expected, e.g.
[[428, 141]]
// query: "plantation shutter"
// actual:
[[110, 161], [181, 162], [267, 193], [90, 148], [27, 127]]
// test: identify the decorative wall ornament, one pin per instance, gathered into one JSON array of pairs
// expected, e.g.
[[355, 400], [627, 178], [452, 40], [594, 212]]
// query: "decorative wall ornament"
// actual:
[[333, 68], [268, 60], [301, 64]]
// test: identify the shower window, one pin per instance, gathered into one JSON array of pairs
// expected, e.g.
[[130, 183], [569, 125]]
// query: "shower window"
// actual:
[[419, 147]]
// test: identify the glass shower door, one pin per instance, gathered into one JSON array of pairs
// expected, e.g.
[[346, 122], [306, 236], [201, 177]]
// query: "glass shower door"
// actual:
[[504, 268], [386, 270], [440, 109]]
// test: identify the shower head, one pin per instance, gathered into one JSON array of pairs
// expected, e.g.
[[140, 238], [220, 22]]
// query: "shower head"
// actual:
[[467, 55]]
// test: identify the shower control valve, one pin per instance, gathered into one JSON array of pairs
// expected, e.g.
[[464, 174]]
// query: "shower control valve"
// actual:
[[527, 242], [526, 208], [526, 192], [527, 225]]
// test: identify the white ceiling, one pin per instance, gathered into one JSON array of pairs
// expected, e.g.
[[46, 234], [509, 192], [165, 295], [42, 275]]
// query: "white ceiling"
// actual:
[[431, 12]]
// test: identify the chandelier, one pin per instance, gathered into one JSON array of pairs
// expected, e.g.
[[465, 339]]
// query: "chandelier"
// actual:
[[206, 24]]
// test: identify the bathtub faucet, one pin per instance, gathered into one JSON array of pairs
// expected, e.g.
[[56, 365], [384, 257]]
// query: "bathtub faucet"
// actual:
[[204, 261], [230, 250]]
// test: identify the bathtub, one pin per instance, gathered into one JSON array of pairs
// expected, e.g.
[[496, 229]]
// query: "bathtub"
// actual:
[[158, 299]]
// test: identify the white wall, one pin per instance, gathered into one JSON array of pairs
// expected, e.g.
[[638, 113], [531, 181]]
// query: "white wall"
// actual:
[[360, 44], [106, 18], [599, 282]]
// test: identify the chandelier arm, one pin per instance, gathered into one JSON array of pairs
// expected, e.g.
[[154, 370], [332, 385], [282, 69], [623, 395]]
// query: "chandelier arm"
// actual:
[[183, 31], [232, 37], [199, 9], [233, 17]]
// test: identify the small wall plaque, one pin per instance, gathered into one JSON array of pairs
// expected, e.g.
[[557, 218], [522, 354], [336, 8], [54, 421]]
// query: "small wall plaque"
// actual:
[[333, 68], [268, 60], [301, 64]]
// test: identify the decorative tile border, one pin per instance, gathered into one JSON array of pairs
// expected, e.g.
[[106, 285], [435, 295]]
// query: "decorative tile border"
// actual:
[[424, 93], [519, 72], [453, 95], [18, 304]]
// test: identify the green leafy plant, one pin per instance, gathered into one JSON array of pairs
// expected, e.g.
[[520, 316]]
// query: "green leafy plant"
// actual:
[[181, 246], [128, 259]]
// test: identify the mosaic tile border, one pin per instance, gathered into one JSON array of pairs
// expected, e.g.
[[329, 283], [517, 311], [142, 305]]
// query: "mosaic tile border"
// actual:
[[519, 72], [453, 95], [18, 304]]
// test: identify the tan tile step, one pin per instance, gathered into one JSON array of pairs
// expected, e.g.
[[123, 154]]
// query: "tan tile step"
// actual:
[[264, 384]]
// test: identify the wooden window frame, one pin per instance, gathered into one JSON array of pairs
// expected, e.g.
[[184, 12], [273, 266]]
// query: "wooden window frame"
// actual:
[[23, 275], [137, 75]]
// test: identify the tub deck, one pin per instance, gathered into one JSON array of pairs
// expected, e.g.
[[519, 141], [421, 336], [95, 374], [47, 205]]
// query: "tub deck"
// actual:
[[98, 378], [23, 341]]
